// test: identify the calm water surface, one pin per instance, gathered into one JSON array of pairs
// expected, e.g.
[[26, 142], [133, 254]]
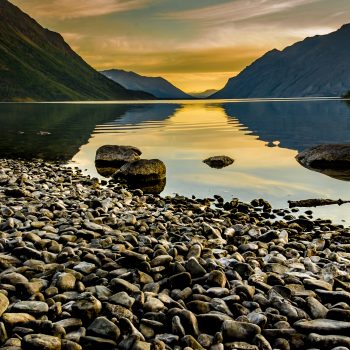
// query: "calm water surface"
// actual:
[[262, 136]]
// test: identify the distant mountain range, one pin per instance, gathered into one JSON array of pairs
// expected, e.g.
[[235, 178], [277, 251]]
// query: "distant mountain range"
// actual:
[[204, 94], [157, 86], [317, 66], [36, 64]]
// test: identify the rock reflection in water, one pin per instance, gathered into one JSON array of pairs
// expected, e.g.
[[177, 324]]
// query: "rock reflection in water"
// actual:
[[339, 174], [330, 159], [106, 171], [148, 187]]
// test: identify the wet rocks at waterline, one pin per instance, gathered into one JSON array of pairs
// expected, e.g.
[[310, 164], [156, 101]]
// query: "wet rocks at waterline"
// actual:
[[146, 174], [331, 160], [86, 266], [218, 162], [114, 156], [110, 158], [144, 170], [123, 163]]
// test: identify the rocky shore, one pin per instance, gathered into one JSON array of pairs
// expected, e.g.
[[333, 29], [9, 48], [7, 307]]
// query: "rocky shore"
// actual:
[[90, 265]]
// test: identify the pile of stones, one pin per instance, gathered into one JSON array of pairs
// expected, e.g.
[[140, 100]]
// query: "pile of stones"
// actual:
[[86, 264]]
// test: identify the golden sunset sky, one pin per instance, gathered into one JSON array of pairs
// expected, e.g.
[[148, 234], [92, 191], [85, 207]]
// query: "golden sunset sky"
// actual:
[[196, 44]]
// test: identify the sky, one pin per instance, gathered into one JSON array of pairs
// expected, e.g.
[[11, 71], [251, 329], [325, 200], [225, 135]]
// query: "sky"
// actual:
[[195, 44]]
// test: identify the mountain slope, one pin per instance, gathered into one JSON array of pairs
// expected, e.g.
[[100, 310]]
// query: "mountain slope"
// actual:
[[203, 94], [317, 66], [37, 64], [158, 87]]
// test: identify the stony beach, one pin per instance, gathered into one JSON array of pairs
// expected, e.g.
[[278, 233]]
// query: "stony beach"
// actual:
[[91, 265]]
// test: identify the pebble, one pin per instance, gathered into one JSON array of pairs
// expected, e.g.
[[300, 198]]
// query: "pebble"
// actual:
[[30, 307], [40, 342], [66, 282], [323, 326], [4, 303], [328, 341], [12, 320], [123, 299], [102, 327], [233, 330], [87, 307]]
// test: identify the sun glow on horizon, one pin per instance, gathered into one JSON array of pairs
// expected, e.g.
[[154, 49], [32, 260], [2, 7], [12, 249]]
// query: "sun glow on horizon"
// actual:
[[195, 46]]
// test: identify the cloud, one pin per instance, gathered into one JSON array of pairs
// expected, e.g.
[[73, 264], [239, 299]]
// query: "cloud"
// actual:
[[72, 37], [67, 9], [235, 11], [208, 60]]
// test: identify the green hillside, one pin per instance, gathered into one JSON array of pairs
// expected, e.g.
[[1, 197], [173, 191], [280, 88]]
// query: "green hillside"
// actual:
[[36, 64]]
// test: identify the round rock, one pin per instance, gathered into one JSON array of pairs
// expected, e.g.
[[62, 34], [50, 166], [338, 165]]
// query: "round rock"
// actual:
[[40, 342], [115, 155]]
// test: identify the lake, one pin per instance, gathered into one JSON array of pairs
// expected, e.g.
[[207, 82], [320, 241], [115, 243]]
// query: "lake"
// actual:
[[263, 137]]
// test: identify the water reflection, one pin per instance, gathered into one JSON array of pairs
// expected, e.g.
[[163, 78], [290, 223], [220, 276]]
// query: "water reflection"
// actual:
[[64, 128], [151, 187], [295, 125], [339, 174], [57, 131], [105, 171], [182, 134]]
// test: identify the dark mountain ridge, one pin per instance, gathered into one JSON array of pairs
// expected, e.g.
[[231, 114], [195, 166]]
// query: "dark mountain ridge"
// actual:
[[317, 66], [203, 94], [36, 64], [157, 86]]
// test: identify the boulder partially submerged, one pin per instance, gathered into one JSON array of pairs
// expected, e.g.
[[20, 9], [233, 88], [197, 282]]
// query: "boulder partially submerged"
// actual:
[[331, 160], [149, 175], [116, 156], [218, 162], [123, 163], [143, 170]]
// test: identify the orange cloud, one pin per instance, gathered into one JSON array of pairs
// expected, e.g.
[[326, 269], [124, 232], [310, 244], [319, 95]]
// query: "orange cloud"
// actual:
[[237, 10], [67, 9]]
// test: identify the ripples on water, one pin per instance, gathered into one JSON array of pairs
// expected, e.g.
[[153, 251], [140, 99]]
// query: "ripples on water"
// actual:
[[262, 136]]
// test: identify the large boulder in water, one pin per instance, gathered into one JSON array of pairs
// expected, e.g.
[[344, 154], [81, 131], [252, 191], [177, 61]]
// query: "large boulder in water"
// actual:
[[218, 162], [149, 175], [144, 170], [331, 160], [116, 156]]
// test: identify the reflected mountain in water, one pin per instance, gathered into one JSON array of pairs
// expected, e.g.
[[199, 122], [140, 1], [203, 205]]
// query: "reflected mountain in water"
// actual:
[[137, 115], [57, 131], [68, 126], [294, 125]]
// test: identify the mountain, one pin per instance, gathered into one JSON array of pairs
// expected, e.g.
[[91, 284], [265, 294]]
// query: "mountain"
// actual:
[[159, 87], [36, 64], [317, 66], [203, 94]]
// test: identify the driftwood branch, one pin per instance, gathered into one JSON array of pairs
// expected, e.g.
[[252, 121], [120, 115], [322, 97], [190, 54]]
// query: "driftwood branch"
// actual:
[[307, 203]]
